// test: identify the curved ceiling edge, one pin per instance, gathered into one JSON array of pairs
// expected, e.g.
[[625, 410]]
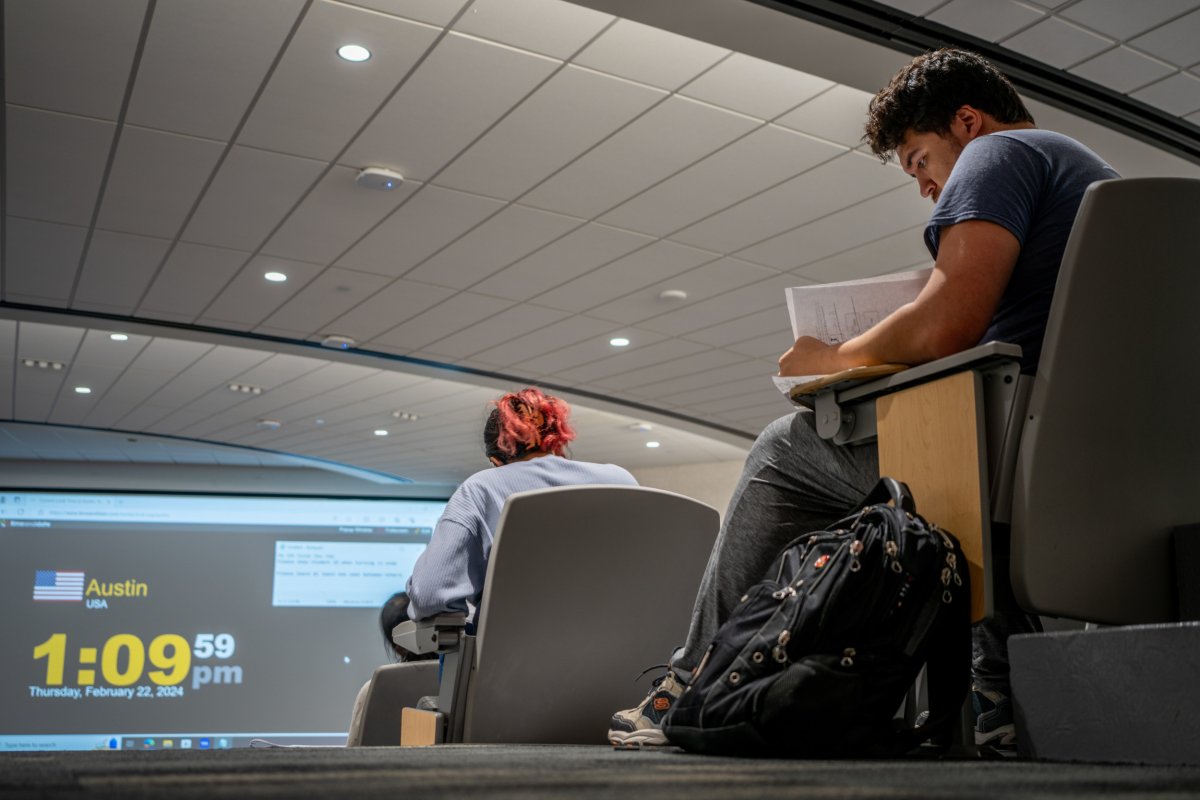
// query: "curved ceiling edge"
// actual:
[[414, 366], [281, 456]]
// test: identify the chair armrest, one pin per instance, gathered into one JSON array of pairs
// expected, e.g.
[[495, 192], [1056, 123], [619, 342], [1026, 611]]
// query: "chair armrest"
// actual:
[[439, 634], [845, 411]]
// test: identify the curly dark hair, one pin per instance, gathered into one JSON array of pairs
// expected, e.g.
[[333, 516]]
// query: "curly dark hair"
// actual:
[[924, 96]]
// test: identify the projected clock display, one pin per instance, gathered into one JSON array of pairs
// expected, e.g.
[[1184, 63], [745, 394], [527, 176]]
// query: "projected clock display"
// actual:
[[119, 665]]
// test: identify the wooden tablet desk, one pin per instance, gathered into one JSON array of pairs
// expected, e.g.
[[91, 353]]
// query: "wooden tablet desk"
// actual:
[[949, 429]]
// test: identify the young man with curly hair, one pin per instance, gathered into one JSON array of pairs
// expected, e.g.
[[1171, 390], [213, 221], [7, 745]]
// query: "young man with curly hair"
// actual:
[[1005, 195]]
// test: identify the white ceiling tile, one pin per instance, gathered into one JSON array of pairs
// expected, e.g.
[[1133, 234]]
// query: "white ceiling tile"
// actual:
[[990, 20], [1058, 43], [1122, 69], [838, 115], [433, 218], [751, 326], [98, 350], [191, 277], [280, 370], [72, 408], [509, 324], [649, 55], [251, 193], [1121, 19], [768, 293], [250, 298], [170, 356], [826, 188], [1175, 42], [549, 27], [553, 363], [154, 181], [84, 67], [771, 345], [1178, 94], [316, 101], [690, 388], [41, 259], [631, 358], [578, 252], [700, 283], [47, 152], [880, 216], [572, 111], [566, 332], [435, 12], [752, 86], [510, 235], [203, 62], [701, 362], [1194, 118], [639, 269], [47, 342], [333, 293], [441, 320], [118, 268], [417, 132], [333, 216], [753, 163], [386, 308], [638, 156], [900, 251]]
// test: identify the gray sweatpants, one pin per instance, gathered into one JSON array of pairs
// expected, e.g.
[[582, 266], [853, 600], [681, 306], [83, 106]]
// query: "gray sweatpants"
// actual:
[[795, 482]]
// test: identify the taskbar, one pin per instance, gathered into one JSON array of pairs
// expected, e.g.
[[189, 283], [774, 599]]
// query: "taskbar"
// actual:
[[164, 741]]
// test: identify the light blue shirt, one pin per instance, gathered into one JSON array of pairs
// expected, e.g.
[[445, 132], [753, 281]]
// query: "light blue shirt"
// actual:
[[448, 577]]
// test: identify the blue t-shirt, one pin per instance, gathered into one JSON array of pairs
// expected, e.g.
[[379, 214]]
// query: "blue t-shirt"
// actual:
[[448, 576], [1031, 182]]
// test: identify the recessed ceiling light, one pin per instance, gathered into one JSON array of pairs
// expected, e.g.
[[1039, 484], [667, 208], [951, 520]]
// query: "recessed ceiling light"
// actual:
[[619, 341], [672, 294], [354, 52], [275, 277], [118, 337], [82, 390], [381, 432], [641, 427], [652, 444], [406, 416], [268, 424], [245, 388]]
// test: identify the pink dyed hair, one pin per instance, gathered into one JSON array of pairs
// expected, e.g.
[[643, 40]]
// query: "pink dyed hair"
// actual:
[[527, 421]]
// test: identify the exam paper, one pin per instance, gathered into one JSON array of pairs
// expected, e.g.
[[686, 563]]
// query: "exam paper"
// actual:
[[835, 312]]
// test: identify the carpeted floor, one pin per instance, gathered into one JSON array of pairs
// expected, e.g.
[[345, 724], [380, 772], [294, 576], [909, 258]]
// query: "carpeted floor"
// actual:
[[470, 771]]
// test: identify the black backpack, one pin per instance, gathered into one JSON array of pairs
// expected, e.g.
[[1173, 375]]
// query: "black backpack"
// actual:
[[818, 656]]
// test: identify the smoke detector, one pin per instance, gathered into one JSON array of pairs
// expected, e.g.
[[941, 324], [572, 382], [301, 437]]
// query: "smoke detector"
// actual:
[[383, 180], [336, 342]]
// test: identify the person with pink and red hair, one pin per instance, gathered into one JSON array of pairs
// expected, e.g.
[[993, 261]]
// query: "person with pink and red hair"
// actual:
[[525, 437]]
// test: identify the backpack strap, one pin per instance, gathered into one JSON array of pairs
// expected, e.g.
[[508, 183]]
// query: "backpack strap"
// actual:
[[893, 490], [948, 670]]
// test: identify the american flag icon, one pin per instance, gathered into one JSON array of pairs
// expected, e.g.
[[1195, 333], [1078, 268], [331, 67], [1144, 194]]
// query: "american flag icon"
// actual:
[[52, 584]]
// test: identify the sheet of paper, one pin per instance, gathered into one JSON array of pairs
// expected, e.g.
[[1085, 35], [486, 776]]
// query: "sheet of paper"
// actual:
[[835, 312]]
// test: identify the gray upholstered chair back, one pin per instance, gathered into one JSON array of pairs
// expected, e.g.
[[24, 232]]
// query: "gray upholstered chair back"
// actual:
[[376, 721], [1109, 460], [586, 587]]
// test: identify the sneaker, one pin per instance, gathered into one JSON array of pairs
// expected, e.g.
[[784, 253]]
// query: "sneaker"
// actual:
[[641, 726], [993, 720]]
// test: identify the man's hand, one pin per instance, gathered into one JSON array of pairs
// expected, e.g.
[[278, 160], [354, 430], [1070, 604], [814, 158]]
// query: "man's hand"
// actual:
[[808, 356]]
